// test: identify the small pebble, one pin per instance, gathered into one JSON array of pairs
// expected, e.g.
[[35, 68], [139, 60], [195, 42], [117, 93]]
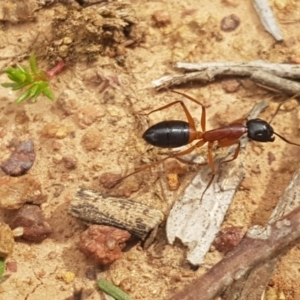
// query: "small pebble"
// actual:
[[230, 86], [31, 218], [68, 277], [173, 182], [21, 160], [11, 266], [91, 273], [161, 18], [103, 243], [15, 191], [228, 239], [91, 139], [230, 23], [70, 162], [54, 130]]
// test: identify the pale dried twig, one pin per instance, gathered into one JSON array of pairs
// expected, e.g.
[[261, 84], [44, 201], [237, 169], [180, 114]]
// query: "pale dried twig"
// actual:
[[270, 75], [240, 68]]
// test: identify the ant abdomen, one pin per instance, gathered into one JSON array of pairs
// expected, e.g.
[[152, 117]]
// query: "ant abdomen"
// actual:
[[168, 134]]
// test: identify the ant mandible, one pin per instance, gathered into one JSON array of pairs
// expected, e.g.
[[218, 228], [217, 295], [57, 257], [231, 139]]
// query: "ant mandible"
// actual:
[[176, 133]]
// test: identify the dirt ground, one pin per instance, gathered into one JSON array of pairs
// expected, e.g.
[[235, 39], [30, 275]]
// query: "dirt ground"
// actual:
[[98, 96]]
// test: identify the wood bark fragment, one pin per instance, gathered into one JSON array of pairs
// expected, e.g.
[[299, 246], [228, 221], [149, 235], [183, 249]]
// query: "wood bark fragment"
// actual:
[[267, 18], [272, 76], [93, 207], [260, 246]]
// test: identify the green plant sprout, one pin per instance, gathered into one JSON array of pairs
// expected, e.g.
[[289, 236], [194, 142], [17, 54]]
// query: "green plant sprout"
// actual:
[[36, 81], [112, 290]]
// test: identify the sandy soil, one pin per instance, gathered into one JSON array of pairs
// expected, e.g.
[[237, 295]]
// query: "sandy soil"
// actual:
[[107, 114]]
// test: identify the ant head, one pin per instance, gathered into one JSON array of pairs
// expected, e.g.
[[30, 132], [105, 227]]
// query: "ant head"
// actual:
[[260, 131]]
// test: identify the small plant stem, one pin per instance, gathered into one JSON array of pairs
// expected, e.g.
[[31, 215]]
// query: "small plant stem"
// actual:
[[57, 69]]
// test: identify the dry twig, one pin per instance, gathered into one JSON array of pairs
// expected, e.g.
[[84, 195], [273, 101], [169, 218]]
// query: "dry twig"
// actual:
[[270, 75], [260, 246]]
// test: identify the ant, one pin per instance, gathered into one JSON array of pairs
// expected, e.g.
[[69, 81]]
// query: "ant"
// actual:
[[176, 133]]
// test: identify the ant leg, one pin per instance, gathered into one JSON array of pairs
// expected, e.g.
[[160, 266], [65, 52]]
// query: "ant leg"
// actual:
[[225, 143], [228, 143], [279, 105], [203, 115], [186, 111], [180, 153], [212, 166]]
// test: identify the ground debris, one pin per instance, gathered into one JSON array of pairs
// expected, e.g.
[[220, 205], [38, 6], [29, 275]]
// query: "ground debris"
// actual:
[[15, 191], [21, 160], [228, 238], [230, 23], [101, 29], [135, 217], [267, 18], [161, 18], [91, 139], [6, 240], [54, 130], [33, 222], [256, 254], [70, 162], [274, 240], [17, 11], [103, 243], [274, 76]]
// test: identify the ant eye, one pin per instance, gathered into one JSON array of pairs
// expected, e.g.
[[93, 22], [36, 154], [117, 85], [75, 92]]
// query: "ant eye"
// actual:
[[259, 130]]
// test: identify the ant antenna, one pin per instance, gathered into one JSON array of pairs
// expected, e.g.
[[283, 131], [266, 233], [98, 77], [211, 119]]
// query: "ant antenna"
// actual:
[[278, 107], [280, 136], [284, 139]]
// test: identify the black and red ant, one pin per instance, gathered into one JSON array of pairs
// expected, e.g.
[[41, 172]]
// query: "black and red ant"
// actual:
[[176, 133]]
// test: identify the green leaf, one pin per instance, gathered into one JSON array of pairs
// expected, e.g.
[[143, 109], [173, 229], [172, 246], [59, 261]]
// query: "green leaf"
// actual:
[[33, 64], [9, 84], [28, 75], [33, 90], [2, 267], [12, 77], [19, 86], [48, 93], [15, 75], [21, 69], [36, 95], [112, 290], [23, 97], [14, 85], [42, 84]]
